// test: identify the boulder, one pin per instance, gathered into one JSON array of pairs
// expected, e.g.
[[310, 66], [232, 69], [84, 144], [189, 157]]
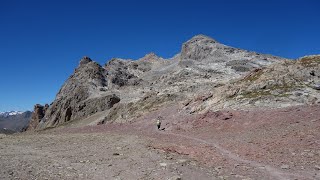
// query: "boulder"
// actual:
[[37, 115]]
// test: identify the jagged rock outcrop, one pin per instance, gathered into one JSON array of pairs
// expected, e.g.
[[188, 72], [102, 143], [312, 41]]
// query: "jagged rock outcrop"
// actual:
[[37, 115], [119, 74], [124, 89], [83, 94]]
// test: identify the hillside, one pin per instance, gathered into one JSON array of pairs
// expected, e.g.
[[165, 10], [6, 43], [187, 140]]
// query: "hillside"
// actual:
[[126, 89], [282, 84]]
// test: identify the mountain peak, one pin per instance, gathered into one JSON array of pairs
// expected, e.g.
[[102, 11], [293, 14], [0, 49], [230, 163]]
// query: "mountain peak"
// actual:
[[199, 47], [152, 54], [85, 60], [150, 57], [201, 37]]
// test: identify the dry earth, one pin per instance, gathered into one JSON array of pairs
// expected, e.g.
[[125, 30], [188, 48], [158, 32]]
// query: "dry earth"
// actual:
[[252, 144]]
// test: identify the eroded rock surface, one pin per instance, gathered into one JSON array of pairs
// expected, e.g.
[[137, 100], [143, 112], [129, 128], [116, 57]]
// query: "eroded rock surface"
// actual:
[[283, 84], [37, 115]]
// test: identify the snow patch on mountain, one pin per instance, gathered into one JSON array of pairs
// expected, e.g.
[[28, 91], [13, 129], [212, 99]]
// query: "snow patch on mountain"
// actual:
[[10, 113]]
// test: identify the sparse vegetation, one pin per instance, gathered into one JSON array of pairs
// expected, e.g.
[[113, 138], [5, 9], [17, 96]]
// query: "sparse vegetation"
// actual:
[[269, 91], [254, 94], [309, 61], [254, 75]]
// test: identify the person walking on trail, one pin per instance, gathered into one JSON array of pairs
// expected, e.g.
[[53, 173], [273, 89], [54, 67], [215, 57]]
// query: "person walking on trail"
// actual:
[[158, 124]]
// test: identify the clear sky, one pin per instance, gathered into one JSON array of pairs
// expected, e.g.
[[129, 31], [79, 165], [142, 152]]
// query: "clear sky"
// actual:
[[41, 42]]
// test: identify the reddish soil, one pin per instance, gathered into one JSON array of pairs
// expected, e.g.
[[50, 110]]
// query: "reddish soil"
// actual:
[[261, 144], [254, 144]]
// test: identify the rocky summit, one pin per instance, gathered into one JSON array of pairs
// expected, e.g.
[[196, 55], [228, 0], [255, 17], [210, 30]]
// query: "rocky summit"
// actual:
[[205, 75]]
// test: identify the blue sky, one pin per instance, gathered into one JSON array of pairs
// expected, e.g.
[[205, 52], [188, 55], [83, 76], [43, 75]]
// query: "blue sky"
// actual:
[[41, 42]]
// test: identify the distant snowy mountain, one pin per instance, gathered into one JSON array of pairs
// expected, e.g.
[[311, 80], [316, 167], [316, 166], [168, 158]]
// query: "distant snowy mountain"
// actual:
[[14, 121], [10, 113]]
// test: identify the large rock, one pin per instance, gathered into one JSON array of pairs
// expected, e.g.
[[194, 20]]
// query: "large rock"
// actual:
[[61, 112], [37, 115]]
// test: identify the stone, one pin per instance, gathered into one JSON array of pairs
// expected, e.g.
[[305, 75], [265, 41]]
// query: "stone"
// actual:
[[316, 87], [2, 136], [285, 166], [175, 178], [239, 176], [218, 168], [236, 165], [310, 154], [182, 161], [37, 115], [163, 164]]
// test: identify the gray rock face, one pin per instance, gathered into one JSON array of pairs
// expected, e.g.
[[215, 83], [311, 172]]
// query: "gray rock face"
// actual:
[[130, 88], [80, 96], [87, 78], [37, 115], [118, 73], [207, 51], [199, 48], [85, 60]]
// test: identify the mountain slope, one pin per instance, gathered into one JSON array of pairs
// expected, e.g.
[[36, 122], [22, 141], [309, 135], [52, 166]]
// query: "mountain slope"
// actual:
[[128, 88], [287, 83]]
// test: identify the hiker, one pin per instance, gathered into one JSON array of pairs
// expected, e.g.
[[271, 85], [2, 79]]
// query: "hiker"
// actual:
[[158, 124]]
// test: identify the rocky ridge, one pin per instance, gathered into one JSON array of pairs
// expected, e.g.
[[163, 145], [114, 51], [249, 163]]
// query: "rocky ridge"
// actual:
[[81, 95], [205, 75]]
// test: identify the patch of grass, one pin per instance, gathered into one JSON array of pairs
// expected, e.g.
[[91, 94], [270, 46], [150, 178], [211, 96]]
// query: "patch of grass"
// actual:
[[268, 92], [254, 75], [155, 101], [257, 94], [285, 87], [282, 95], [254, 94]]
